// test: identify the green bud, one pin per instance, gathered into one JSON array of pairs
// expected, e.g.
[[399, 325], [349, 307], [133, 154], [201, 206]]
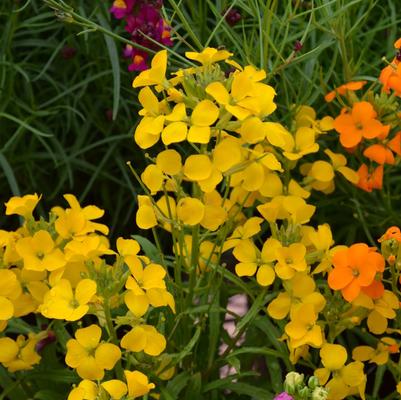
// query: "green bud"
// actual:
[[319, 394], [313, 382], [293, 382], [303, 394]]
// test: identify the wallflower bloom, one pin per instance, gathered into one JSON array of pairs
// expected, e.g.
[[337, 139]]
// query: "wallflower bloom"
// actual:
[[390, 77], [382, 309], [343, 89], [146, 287], [347, 379], [60, 302], [290, 260], [251, 259], [302, 329], [155, 75], [380, 355], [208, 55], [144, 338], [370, 180], [360, 123], [22, 205], [10, 290], [138, 384], [88, 356], [40, 253], [19, 355], [355, 268], [299, 290]]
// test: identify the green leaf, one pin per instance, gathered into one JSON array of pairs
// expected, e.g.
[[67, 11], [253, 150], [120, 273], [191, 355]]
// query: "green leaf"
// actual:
[[148, 248], [115, 64]]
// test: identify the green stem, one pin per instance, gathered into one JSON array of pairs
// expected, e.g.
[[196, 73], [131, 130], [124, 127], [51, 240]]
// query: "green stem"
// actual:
[[113, 336]]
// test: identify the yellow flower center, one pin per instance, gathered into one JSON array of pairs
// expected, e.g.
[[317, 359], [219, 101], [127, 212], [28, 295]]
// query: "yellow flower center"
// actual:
[[289, 260], [74, 303]]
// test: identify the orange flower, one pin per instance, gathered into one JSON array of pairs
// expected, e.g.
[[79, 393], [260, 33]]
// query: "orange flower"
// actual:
[[391, 233], [390, 77], [379, 153], [355, 268], [343, 89], [369, 181], [395, 143], [360, 123]]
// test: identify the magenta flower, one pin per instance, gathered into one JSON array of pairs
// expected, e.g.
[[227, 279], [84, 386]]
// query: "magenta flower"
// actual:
[[145, 25], [121, 8], [283, 396]]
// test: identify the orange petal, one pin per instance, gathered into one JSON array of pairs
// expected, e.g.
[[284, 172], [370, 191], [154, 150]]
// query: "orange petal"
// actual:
[[352, 291], [339, 278]]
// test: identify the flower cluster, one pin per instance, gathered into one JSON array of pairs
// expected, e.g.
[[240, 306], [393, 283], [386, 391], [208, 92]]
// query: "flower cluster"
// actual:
[[368, 125], [146, 26], [221, 157], [60, 268]]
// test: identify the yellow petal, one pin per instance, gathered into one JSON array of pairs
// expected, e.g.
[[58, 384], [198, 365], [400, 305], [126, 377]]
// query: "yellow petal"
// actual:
[[169, 161], [115, 388], [333, 356], [155, 75], [265, 275], [199, 134], [218, 92], [174, 132], [205, 113], [107, 355], [321, 171], [190, 211], [8, 350], [197, 167]]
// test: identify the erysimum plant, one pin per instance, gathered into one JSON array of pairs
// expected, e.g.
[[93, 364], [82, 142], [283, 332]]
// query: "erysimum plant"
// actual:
[[102, 308]]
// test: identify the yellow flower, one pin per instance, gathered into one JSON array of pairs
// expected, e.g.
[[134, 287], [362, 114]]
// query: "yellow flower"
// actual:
[[380, 355], [138, 384], [88, 356], [40, 253], [145, 215], [250, 228], [146, 287], [290, 259], [306, 116], [347, 379], [190, 211], [382, 309], [300, 289], [153, 178], [304, 144], [127, 247], [247, 96], [302, 328], [144, 338], [19, 355], [208, 56], [60, 302], [155, 75], [10, 290], [86, 390], [251, 259], [293, 208], [78, 221], [115, 388], [22, 205], [339, 164]]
